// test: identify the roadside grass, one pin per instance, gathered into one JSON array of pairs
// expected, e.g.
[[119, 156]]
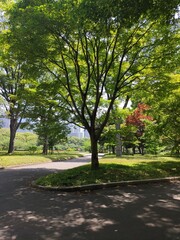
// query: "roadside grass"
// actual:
[[25, 158], [114, 170], [138, 158]]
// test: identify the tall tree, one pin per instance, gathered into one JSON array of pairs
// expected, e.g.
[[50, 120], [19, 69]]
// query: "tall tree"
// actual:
[[167, 114], [15, 77], [11, 85], [94, 50], [161, 92]]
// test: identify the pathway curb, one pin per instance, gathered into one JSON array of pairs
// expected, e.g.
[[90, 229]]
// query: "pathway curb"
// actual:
[[91, 187]]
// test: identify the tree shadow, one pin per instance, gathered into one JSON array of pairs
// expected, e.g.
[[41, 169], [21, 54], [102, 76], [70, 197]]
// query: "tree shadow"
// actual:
[[125, 213], [160, 168]]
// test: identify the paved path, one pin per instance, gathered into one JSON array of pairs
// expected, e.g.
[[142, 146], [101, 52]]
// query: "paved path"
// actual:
[[146, 212], [59, 165]]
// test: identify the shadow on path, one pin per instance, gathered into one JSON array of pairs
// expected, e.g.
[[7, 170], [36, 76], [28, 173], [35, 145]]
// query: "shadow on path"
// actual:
[[126, 213]]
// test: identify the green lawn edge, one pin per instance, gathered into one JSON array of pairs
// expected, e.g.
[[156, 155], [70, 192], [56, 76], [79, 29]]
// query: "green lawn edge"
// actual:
[[24, 158], [110, 173]]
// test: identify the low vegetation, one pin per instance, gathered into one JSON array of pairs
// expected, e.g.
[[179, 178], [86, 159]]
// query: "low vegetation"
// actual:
[[114, 170]]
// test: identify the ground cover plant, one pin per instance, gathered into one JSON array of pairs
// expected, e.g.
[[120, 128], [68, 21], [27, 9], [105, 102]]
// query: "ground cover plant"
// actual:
[[25, 158], [114, 170]]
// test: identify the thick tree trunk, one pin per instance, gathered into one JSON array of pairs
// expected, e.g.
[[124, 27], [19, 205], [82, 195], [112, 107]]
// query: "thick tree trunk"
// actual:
[[113, 149], [13, 130], [94, 153]]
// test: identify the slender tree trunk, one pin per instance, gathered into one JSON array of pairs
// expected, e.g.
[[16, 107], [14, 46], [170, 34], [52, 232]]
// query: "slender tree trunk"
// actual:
[[118, 135], [118, 139], [134, 150], [45, 146], [142, 149], [13, 130], [94, 153], [113, 149]]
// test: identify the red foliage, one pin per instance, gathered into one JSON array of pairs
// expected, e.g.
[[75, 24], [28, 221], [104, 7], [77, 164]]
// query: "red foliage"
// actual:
[[137, 117]]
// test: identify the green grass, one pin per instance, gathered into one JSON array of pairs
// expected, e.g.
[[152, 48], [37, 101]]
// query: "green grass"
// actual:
[[114, 170], [135, 159], [25, 158]]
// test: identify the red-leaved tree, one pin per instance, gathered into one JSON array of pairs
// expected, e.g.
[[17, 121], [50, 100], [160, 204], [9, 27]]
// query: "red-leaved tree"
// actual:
[[137, 119]]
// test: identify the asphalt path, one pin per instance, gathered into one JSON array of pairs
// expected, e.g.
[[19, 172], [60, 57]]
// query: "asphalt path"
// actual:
[[142, 212]]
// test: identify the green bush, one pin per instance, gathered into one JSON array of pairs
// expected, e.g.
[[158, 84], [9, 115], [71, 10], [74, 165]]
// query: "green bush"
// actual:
[[74, 144], [32, 149], [23, 140]]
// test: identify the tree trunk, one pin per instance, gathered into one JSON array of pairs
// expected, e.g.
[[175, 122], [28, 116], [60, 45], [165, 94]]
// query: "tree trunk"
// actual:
[[45, 146], [118, 135], [94, 153], [118, 140], [113, 149], [142, 149], [134, 150], [13, 129]]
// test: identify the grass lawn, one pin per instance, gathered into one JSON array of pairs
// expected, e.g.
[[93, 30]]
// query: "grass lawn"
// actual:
[[114, 169], [24, 158]]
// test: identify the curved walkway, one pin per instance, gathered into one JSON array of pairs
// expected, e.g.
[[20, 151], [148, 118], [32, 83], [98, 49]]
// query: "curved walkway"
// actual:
[[59, 165], [125, 213]]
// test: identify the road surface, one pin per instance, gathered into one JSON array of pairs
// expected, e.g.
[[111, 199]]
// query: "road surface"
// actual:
[[143, 212]]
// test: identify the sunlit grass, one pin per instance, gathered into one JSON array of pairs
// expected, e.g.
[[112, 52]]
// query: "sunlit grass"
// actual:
[[25, 158], [135, 159], [114, 170]]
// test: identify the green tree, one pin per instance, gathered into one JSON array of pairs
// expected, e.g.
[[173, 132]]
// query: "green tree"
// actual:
[[14, 78], [152, 138], [168, 117], [43, 115], [11, 85], [162, 94], [50, 128], [94, 50], [107, 140], [26, 141]]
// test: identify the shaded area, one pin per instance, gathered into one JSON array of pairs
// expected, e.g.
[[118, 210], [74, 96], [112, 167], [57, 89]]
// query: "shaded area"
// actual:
[[128, 213], [111, 172]]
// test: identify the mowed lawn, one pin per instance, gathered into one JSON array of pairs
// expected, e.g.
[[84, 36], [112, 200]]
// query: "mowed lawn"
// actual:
[[114, 169], [24, 158]]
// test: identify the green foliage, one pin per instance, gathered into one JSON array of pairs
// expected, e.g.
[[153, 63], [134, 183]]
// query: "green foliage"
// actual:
[[151, 138], [75, 144], [45, 114], [32, 149], [16, 76], [169, 116], [4, 140], [163, 97], [28, 141], [24, 140], [95, 50]]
